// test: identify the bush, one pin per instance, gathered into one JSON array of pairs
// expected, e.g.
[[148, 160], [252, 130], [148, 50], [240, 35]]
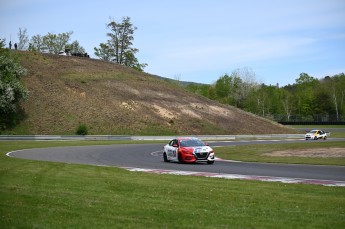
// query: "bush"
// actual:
[[12, 91], [82, 130]]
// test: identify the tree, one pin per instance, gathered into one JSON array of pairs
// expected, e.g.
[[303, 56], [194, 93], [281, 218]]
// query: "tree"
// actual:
[[336, 90], [120, 39], [36, 43], [132, 61], [55, 43], [2, 43], [104, 52], [248, 83], [287, 104], [227, 89], [75, 47], [119, 45], [11, 89], [305, 94], [23, 39]]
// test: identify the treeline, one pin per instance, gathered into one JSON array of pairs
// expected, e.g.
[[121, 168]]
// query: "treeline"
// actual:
[[49, 43], [117, 49], [308, 99]]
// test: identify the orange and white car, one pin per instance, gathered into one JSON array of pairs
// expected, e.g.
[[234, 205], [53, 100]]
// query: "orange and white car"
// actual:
[[316, 135], [188, 150]]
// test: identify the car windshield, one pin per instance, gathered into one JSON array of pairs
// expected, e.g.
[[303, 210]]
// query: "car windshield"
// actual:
[[313, 131], [191, 143]]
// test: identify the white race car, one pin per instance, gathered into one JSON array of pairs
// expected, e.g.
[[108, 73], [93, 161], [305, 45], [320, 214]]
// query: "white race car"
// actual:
[[188, 150], [316, 134]]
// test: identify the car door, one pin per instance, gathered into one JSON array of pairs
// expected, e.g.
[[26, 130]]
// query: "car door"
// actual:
[[318, 134], [172, 149]]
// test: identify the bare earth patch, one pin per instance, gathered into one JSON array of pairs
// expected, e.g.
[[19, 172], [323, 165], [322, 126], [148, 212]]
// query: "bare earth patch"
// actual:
[[319, 152]]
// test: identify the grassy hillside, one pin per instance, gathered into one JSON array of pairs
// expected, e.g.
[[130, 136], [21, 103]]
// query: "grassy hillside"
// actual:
[[112, 99]]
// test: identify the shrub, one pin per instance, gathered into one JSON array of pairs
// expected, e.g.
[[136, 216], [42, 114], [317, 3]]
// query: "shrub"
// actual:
[[82, 130]]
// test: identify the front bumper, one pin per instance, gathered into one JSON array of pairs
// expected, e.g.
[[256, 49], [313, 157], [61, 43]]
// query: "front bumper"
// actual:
[[198, 157]]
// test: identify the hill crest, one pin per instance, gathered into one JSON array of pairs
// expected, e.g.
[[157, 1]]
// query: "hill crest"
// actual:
[[66, 91]]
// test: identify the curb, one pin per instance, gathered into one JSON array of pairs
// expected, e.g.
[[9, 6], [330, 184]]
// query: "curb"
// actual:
[[241, 177]]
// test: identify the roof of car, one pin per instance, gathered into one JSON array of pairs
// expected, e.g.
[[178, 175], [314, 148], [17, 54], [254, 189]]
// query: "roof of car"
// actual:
[[186, 138]]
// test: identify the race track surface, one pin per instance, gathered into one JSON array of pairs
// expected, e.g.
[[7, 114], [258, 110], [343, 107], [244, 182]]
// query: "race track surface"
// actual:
[[149, 156]]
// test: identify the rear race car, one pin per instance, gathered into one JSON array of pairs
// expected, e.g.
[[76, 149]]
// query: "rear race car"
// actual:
[[188, 150], [316, 135]]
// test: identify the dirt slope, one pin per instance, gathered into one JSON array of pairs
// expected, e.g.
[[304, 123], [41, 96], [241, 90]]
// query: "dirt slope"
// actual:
[[111, 99]]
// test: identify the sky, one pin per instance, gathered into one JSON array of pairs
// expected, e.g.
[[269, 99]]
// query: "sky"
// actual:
[[201, 40]]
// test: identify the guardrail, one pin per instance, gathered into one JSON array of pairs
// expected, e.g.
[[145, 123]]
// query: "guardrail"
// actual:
[[143, 138]]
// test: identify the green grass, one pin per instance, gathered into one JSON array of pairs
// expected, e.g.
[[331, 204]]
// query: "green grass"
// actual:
[[337, 135], [255, 153], [37, 194]]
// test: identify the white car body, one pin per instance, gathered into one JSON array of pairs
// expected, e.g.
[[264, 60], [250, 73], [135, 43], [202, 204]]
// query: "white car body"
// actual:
[[316, 135]]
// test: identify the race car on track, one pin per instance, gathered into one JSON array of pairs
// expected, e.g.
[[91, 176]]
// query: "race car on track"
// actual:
[[316, 134], [188, 150]]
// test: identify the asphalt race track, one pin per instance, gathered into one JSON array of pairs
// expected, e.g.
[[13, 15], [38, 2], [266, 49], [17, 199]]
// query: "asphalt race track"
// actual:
[[149, 156]]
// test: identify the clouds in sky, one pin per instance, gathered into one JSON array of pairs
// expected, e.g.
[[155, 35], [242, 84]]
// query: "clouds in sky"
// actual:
[[200, 40]]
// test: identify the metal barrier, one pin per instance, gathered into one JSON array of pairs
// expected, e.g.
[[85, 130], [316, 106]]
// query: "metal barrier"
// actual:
[[142, 138]]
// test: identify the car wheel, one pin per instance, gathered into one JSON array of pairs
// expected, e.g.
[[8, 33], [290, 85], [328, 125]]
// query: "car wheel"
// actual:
[[315, 138], [180, 158], [165, 157], [210, 162], [325, 138]]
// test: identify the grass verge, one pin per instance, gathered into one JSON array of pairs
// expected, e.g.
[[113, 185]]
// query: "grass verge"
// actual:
[[255, 153], [37, 194]]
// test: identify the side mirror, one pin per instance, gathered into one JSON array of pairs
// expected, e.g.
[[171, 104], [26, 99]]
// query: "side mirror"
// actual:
[[175, 145]]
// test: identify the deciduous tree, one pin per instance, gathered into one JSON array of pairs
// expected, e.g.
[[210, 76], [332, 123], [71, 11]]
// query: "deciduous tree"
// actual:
[[23, 38], [11, 89], [119, 45], [55, 43]]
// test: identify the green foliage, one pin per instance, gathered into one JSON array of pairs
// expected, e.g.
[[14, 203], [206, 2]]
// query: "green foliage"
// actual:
[[119, 46], [23, 39], [75, 47], [104, 52], [36, 43], [52, 43], [306, 98], [2, 43], [11, 89], [82, 130]]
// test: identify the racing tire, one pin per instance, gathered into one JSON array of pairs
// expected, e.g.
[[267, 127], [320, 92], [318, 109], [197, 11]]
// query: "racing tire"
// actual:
[[315, 138], [180, 158], [324, 138], [210, 162], [165, 157]]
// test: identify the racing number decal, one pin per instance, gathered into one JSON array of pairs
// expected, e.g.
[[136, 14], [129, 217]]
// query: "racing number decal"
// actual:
[[173, 152]]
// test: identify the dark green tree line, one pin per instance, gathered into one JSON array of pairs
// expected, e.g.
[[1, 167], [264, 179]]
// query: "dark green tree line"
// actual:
[[308, 98]]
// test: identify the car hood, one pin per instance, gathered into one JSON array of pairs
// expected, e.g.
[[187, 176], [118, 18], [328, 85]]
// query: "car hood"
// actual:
[[197, 148]]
